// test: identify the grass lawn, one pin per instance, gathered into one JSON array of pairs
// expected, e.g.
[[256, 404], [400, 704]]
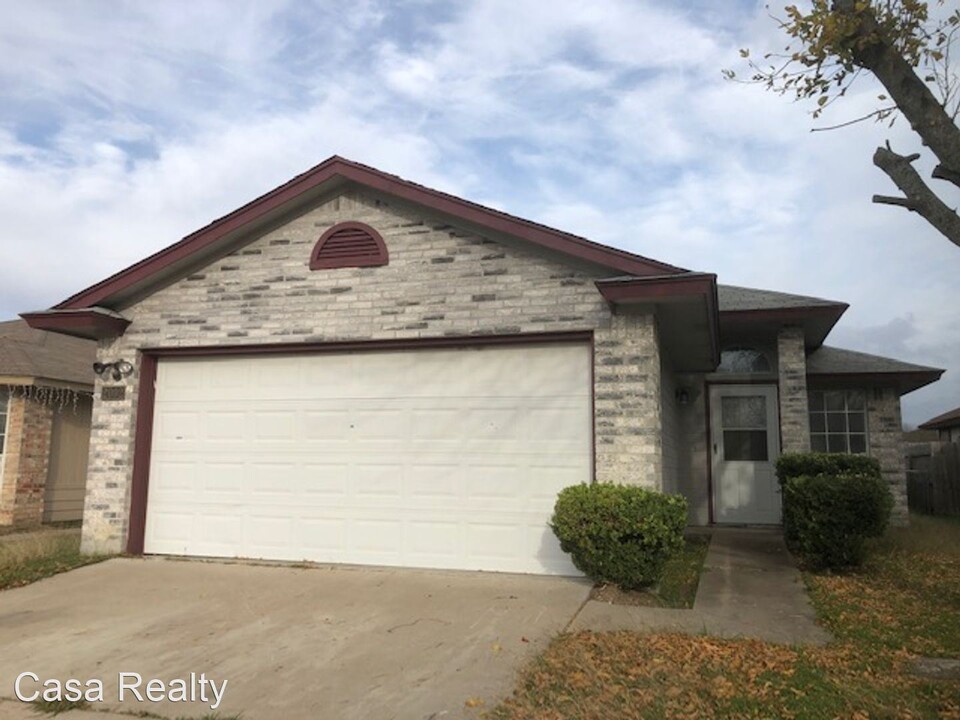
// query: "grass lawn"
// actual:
[[31, 556], [904, 603]]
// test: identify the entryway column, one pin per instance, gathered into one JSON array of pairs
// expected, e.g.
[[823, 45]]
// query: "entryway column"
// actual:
[[628, 418], [794, 412]]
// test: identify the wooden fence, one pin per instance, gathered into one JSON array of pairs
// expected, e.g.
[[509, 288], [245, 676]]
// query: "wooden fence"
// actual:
[[933, 478]]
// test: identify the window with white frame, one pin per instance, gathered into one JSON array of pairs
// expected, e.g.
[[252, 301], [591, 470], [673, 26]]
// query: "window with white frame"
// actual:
[[838, 421]]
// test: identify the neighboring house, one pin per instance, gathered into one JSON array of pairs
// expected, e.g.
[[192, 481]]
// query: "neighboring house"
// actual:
[[355, 368], [947, 425], [46, 389]]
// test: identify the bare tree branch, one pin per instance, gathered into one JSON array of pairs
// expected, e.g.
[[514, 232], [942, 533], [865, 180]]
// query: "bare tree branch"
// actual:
[[923, 111], [918, 197]]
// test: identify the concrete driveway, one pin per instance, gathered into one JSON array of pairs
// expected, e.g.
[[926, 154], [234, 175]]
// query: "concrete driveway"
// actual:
[[338, 642]]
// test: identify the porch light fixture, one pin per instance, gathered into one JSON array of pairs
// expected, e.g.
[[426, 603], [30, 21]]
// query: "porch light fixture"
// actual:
[[683, 396], [116, 370]]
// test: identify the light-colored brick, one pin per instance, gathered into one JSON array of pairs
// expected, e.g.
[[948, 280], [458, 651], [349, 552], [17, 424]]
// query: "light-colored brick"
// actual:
[[441, 281], [792, 368]]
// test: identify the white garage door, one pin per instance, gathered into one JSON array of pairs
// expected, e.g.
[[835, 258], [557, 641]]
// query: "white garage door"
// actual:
[[429, 458]]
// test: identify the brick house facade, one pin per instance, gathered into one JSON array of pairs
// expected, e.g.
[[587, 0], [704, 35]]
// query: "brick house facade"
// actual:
[[453, 275], [46, 385]]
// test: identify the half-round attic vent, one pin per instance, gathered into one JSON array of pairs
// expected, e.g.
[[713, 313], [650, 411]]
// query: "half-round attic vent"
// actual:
[[349, 244]]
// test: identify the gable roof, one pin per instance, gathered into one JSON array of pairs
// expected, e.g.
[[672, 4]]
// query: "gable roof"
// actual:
[[850, 366], [326, 177], [28, 354], [746, 311], [734, 298], [951, 418]]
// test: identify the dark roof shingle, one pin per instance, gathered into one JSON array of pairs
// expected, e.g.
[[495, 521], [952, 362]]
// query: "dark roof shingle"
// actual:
[[950, 418], [25, 352], [737, 299]]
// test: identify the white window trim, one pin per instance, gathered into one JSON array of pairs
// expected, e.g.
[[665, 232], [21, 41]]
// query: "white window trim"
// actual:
[[846, 411]]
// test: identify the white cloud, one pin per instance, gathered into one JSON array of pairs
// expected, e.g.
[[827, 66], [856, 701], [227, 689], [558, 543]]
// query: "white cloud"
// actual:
[[124, 127]]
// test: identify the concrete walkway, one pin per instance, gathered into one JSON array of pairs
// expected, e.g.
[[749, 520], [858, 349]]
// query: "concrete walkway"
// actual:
[[750, 587]]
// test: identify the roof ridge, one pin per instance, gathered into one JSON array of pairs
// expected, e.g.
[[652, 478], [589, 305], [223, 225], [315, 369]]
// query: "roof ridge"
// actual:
[[439, 201]]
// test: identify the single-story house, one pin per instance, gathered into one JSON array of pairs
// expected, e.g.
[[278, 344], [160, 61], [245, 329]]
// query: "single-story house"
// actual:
[[354, 368], [946, 425], [46, 396]]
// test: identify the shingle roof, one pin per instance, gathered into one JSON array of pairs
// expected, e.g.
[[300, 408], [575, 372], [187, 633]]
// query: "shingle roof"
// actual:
[[834, 362], [737, 299], [948, 419], [828, 360], [25, 352]]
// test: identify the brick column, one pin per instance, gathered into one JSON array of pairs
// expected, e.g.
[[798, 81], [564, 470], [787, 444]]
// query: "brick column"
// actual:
[[885, 443], [627, 395], [794, 417], [25, 462]]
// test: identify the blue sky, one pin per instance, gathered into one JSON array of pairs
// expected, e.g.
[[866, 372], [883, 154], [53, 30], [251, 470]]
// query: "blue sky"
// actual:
[[124, 126]]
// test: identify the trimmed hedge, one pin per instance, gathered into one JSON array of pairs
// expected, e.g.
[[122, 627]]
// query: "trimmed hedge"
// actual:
[[793, 465], [619, 534], [831, 504]]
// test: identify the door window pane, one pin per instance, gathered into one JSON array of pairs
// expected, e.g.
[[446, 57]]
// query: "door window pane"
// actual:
[[748, 412], [749, 445]]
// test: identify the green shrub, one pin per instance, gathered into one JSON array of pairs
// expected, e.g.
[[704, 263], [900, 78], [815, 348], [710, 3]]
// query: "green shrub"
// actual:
[[827, 517], [620, 534], [793, 465]]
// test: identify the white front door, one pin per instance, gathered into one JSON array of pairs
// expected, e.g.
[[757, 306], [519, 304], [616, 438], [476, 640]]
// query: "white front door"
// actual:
[[745, 444]]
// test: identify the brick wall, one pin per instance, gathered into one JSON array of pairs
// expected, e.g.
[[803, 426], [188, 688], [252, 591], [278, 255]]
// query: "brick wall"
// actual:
[[627, 402], [25, 462], [792, 371], [885, 442], [441, 281]]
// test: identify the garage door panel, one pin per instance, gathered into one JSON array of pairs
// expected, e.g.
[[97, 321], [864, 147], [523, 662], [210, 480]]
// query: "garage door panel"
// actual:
[[441, 458]]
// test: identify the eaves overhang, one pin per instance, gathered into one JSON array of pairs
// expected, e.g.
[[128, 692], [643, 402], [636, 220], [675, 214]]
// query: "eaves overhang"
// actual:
[[90, 323], [686, 308]]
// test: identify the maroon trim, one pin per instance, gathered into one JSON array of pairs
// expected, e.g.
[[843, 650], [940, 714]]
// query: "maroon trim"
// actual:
[[943, 421], [333, 167], [88, 324], [706, 406], [770, 379], [147, 396], [647, 289], [374, 345], [903, 382], [787, 315], [656, 288], [143, 440], [593, 409], [365, 248], [880, 377]]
